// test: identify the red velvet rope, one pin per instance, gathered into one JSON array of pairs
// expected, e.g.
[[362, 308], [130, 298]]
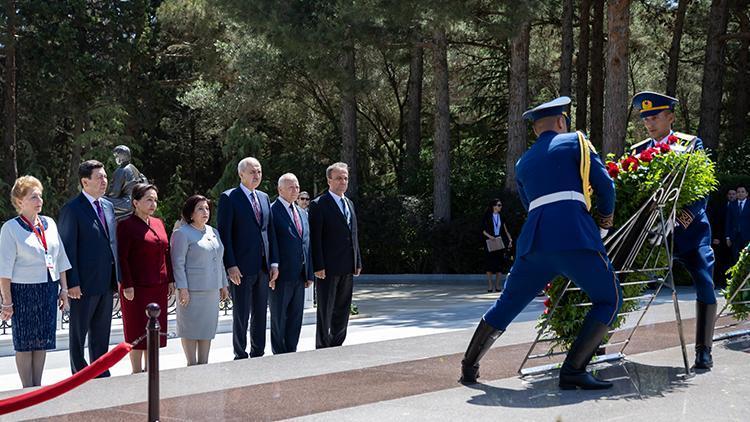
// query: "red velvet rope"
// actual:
[[49, 392]]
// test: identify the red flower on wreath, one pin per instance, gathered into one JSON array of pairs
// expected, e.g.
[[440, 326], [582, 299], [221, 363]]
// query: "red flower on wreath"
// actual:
[[663, 147], [547, 302], [672, 139], [613, 169], [629, 164], [548, 287], [647, 155]]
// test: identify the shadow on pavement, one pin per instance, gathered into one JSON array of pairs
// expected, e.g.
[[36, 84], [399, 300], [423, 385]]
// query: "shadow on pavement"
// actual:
[[632, 381]]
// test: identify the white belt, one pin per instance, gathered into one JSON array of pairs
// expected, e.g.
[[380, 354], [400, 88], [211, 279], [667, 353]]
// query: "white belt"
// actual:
[[568, 195]]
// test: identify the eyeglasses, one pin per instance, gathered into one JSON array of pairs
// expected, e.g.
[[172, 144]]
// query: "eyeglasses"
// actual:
[[498, 205], [304, 199]]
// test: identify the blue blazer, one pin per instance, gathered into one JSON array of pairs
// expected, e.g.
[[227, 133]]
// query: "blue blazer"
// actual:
[[295, 259], [335, 246], [738, 222], [552, 165], [246, 240], [698, 233], [91, 250]]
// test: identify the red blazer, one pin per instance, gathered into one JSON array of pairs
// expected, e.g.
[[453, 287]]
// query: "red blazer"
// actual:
[[143, 252]]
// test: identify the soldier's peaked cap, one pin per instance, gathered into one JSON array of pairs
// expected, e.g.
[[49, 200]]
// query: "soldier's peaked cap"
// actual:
[[552, 108], [652, 103]]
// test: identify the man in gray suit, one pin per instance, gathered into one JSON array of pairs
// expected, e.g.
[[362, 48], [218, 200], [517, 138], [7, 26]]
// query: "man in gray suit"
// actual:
[[287, 297]]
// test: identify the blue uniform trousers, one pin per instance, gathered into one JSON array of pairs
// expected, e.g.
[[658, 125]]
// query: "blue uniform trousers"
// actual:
[[590, 270], [700, 263]]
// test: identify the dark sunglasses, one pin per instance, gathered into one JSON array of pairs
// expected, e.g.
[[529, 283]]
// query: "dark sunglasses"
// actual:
[[304, 199], [498, 205]]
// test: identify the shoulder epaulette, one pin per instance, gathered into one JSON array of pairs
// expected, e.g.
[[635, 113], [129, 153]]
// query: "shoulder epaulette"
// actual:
[[638, 144], [685, 136]]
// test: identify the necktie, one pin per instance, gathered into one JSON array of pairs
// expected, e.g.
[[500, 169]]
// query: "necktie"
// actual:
[[256, 207], [296, 220], [100, 214], [346, 212], [742, 205]]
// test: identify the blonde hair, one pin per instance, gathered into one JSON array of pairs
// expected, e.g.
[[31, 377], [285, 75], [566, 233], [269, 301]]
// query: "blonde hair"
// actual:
[[21, 188]]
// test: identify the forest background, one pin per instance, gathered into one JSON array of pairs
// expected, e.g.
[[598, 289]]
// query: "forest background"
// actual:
[[422, 98]]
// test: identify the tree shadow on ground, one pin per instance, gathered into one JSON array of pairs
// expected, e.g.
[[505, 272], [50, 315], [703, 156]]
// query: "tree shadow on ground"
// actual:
[[632, 381]]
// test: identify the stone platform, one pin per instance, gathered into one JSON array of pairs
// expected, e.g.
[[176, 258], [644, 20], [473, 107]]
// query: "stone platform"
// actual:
[[414, 377]]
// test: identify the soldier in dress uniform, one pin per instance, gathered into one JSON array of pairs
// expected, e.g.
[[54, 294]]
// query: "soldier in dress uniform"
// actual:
[[559, 237], [692, 233]]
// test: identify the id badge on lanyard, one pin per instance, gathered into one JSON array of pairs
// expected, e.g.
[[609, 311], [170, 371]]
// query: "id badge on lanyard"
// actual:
[[49, 260]]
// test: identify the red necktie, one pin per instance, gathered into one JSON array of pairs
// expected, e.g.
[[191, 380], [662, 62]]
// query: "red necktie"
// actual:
[[256, 207], [296, 220]]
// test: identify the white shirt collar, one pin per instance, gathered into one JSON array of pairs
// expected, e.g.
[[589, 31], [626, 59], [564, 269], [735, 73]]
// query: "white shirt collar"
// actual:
[[90, 198], [247, 191], [283, 202], [666, 138], [336, 197]]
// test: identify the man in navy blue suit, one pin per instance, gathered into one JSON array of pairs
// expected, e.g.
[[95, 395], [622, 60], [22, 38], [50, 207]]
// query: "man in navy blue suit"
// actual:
[[737, 229], [335, 254], [559, 237], [692, 234], [246, 228], [87, 229], [287, 298]]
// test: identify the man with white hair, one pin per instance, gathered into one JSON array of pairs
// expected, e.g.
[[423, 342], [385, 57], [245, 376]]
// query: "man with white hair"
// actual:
[[245, 224], [287, 297], [336, 257]]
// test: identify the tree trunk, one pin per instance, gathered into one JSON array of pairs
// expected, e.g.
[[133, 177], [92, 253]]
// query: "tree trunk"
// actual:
[[741, 96], [674, 50], [10, 171], [597, 74], [713, 75], [414, 118], [582, 67], [616, 99], [566, 56], [442, 148], [517, 102], [349, 119], [76, 151]]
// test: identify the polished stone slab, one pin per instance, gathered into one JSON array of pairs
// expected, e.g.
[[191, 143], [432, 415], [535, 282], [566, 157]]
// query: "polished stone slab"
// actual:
[[355, 388]]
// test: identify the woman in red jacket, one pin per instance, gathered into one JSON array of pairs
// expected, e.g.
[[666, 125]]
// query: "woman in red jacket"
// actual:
[[143, 248]]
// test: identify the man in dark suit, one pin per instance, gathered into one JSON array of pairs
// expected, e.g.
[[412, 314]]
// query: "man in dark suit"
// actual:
[[336, 257], [287, 297], [246, 228], [87, 229], [737, 231], [717, 215]]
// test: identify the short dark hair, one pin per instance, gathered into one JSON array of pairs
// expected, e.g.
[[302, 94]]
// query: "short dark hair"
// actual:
[[87, 167], [140, 189], [190, 204]]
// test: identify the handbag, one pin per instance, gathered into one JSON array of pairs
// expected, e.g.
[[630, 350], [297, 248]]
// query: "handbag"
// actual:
[[495, 244]]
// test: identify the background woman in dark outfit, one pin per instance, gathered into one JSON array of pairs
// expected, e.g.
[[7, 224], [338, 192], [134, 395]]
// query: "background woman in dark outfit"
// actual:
[[493, 226]]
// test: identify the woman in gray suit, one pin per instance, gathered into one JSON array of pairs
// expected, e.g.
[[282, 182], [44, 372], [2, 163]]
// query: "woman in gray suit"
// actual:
[[201, 279]]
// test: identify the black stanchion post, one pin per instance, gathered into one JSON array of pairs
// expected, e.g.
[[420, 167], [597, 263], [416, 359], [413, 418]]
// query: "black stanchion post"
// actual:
[[152, 344]]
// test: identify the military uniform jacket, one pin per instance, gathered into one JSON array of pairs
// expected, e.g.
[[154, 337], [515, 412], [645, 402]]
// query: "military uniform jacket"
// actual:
[[552, 165], [698, 233]]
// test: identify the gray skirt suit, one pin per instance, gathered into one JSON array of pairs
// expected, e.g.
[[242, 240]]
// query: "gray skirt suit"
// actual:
[[197, 266]]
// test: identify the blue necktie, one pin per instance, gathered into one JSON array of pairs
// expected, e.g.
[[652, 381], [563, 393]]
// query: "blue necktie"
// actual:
[[345, 210]]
